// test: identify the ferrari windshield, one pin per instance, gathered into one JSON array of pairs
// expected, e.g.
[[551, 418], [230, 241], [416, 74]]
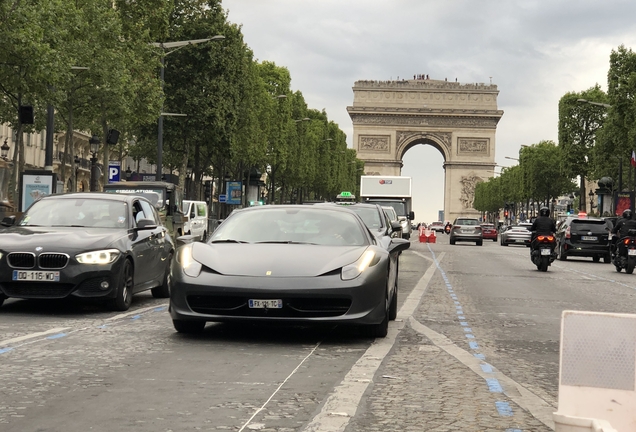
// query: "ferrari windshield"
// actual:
[[292, 225], [76, 212]]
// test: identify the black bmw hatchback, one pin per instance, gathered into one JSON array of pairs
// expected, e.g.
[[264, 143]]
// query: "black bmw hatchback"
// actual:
[[85, 245]]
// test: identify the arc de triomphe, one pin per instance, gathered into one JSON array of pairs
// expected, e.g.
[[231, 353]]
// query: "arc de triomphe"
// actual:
[[459, 120]]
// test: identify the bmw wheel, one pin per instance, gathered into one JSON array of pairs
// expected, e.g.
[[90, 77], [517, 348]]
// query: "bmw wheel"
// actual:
[[123, 300], [163, 291]]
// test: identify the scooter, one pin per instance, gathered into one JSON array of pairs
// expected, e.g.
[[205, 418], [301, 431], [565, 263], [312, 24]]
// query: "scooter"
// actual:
[[447, 229], [543, 251], [625, 253]]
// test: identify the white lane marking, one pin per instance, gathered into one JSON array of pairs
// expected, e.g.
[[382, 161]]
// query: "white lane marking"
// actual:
[[32, 335], [520, 395], [279, 387], [343, 403], [424, 256], [16, 340]]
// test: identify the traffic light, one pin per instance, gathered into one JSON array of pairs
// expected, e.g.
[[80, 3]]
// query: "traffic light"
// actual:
[[208, 190], [505, 213]]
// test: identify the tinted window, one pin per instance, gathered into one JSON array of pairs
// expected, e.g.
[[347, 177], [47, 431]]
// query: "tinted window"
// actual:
[[588, 225], [77, 212]]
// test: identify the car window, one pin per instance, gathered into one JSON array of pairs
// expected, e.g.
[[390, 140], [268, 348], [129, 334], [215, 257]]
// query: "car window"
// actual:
[[369, 216], [201, 209], [148, 213], [466, 222], [285, 225], [588, 225], [78, 212]]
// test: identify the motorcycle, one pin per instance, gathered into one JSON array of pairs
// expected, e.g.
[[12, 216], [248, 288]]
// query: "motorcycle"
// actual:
[[543, 253], [625, 253], [447, 229]]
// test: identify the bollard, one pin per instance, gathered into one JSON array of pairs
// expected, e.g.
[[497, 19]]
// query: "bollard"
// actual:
[[432, 238]]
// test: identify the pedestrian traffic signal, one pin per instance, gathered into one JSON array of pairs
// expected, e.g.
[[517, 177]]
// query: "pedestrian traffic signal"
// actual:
[[208, 190], [506, 213]]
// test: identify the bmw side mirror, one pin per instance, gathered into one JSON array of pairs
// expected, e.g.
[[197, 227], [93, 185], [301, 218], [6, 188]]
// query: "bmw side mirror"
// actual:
[[396, 226], [146, 224]]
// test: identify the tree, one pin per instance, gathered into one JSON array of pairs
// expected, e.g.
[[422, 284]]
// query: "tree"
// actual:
[[578, 126]]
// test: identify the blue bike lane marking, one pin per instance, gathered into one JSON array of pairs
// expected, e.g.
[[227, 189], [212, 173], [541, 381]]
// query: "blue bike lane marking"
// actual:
[[137, 316], [503, 408]]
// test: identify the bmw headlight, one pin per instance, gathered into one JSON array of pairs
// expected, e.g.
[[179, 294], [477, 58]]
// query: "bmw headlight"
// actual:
[[98, 257], [355, 269], [190, 266]]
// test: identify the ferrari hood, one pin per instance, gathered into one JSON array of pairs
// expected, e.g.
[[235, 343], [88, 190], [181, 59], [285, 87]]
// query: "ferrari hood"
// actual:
[[277, 260]]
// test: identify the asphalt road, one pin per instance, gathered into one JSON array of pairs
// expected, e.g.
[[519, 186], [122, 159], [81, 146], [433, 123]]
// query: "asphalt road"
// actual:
[[72, 367]]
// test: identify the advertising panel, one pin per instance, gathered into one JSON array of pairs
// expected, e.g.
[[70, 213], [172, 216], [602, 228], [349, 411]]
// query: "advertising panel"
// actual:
[[34, 185], [234, 192], [623, 201]]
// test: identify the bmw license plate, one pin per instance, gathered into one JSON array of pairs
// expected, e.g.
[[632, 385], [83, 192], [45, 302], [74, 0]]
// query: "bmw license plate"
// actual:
[[589, 238], [44, 276], [631, 252], [265, 304], [546, 251]]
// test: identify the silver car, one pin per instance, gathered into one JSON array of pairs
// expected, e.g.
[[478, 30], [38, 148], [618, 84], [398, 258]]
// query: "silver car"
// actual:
[[466, 229], [516, 234]]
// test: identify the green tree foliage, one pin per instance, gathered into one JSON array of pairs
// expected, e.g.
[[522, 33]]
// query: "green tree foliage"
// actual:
[[579, 123]]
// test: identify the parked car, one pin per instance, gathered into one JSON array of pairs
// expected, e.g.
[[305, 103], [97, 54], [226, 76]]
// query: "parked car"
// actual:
[[584, 237], [86, 245], [489, 232], [195, 219], [466, 229], [516, 234], [287, 264]]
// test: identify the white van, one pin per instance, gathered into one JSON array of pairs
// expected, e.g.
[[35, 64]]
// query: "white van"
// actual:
[[195, 219]]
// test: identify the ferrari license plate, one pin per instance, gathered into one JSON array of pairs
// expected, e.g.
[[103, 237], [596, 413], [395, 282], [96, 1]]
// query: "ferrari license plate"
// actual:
[[589, 238], [266, 304], [44, 276], [631, 252], [546, 251]]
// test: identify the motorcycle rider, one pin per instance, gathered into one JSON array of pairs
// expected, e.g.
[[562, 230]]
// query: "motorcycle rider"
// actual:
[[542, 225], [622, 227], [447, 227]]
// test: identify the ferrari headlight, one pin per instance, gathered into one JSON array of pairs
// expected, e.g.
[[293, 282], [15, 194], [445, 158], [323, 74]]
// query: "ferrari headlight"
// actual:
[[190, 266], [355, 269], [98, 257]]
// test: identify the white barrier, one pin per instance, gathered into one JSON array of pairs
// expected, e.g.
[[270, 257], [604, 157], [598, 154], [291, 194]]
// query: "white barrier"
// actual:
[[597, 379]]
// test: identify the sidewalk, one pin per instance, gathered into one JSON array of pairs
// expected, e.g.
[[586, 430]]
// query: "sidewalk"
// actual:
[[430, 383]]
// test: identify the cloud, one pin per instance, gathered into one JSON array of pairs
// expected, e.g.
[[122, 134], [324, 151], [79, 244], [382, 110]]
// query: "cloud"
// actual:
[[535, 52]]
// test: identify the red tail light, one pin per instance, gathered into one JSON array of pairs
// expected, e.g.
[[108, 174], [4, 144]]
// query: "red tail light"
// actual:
[[544, 238], [627, 241], [567, 232]]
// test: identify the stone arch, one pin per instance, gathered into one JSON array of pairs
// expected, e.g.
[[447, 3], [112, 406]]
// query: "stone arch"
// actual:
[[459, 120]]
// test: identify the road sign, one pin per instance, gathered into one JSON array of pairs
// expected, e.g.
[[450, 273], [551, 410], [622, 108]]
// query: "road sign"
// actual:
[[114, 171], [222, 198]]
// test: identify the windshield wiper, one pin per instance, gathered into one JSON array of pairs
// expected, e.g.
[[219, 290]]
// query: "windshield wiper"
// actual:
[[227, 241]]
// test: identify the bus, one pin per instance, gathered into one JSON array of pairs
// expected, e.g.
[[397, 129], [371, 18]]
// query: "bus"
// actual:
[[166, 197]]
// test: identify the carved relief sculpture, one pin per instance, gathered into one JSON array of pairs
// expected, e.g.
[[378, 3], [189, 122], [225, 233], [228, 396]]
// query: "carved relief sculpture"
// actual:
[[468, 190], [375, 143], [473, 146]]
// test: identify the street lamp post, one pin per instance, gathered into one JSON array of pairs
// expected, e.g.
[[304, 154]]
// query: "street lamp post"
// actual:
[[4, 150], [76, 159], [94, 143], [591, 195], [168, 45]]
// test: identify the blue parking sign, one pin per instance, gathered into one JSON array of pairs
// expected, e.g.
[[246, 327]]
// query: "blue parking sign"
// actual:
[[114, 171]]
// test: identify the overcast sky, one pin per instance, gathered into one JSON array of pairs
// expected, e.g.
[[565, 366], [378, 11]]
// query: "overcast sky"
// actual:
[[534, 51]]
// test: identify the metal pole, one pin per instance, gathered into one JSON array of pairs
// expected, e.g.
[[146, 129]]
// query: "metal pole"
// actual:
[[50, 124], [160, 127], [94, 173]]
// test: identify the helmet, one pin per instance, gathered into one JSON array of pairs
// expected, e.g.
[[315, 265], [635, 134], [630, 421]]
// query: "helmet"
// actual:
[[544, 211], [627, 214]]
